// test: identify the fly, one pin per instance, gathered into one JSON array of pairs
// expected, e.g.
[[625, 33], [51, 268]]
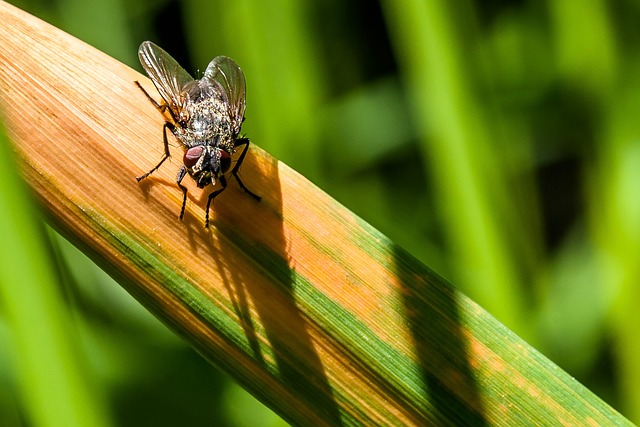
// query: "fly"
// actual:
[[205, 115]]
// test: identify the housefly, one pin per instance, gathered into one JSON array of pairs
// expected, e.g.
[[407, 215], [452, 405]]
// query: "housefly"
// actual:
[[205, 115]]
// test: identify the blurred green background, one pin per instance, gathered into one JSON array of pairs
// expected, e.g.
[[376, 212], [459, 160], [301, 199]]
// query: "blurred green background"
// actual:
[[496, 140]]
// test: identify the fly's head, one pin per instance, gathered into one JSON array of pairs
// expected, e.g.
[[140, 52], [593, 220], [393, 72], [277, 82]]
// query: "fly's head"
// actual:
[[205, 163]]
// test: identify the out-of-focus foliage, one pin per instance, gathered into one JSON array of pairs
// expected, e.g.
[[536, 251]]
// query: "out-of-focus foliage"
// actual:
[[495, 140]]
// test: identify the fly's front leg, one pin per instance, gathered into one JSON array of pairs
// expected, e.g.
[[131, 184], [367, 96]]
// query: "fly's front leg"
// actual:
[[234, 171], [171, 127], [181, 174], [223, 183]]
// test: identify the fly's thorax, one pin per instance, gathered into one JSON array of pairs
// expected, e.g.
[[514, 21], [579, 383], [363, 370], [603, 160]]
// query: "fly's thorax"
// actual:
[[206, 122], [205, 163]]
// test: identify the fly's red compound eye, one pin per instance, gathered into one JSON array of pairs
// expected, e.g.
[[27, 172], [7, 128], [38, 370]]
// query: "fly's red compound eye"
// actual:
[[192, 155]]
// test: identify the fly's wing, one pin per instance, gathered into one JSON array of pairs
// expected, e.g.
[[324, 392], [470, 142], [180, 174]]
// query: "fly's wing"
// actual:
[[228, 80], [165, 73]]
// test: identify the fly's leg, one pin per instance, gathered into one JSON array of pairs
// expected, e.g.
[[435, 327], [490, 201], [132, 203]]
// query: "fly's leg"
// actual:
[[171, 127], [161, 107], [167, 125], [234, 171], [212, 196], [153, 101], [181, 174]]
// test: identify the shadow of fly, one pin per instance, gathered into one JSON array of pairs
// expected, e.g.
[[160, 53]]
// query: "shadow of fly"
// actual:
[[204, 115]]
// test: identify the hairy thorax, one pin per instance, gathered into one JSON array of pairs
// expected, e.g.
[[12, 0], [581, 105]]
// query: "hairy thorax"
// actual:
[[206, 122]]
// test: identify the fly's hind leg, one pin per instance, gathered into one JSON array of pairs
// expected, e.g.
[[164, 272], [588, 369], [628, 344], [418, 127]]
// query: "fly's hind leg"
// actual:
[[153, 101], [161, 107], [234, 171], [171, 127], [167, 125]]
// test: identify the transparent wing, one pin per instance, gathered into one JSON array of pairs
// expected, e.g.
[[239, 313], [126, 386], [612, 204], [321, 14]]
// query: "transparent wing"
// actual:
[[227, 77], [165, 73]]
